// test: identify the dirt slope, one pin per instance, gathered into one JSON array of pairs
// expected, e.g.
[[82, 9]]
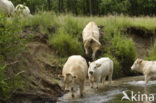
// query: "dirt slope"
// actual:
[[39, 73]]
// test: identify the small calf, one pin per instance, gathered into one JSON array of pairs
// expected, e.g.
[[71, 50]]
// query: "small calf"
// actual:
[[99, 69]]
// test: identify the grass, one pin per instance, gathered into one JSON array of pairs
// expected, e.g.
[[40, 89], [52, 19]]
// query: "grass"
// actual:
[[66, 39]]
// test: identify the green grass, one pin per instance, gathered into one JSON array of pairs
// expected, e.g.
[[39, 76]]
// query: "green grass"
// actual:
[[66, 39]]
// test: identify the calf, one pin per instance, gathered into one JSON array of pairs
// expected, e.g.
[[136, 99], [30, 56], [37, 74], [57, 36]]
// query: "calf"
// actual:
[[7, 7], [74, 73], [22, 10], [99, 69], [148, 68], [90, 37]]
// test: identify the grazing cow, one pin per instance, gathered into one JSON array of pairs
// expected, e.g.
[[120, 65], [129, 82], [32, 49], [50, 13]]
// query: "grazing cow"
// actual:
[[148, 68], [7, 7], [22, 10], [74, 73], [99, 70], [90, 37]]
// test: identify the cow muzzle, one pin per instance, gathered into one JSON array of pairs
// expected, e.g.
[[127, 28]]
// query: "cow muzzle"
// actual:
[[67, 90], [91, 72]]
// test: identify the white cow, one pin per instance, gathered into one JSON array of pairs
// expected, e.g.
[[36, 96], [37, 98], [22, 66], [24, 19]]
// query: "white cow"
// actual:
[[90, 37], [7, 7], [99, 69], [148, 68], [22, 10], [74, 73]]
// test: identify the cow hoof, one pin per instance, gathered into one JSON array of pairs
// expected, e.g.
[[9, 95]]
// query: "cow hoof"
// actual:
[[73, 96], [81, 96]]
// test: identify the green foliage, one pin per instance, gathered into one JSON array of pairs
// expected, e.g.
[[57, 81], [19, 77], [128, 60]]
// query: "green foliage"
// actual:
[[8, 85], [123, 49], [92, 7], [152, 53], [65, 44], [73, 27], [4, 86], [10, 42]]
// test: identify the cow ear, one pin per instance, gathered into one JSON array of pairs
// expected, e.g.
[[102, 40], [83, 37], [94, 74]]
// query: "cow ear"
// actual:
[[60, 76], [140, 61], [98, 65], [68, 74]]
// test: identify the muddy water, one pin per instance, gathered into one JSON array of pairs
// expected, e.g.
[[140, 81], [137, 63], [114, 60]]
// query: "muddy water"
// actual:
[[113, 93]]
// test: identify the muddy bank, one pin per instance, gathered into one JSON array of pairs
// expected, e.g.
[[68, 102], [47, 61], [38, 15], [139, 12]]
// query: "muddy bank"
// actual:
[[38, 65], [144, 40]]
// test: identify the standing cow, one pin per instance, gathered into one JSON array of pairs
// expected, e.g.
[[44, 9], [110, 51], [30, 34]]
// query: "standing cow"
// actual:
[[22, 10], [7, 7], [74, 73], [99, 70], [148, 68], [90, 37]]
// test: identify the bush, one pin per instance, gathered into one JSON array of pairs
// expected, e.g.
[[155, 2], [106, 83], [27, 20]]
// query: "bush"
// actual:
[[123, 49], [73, 27], [152, 53], [10, 42], [65, 44]]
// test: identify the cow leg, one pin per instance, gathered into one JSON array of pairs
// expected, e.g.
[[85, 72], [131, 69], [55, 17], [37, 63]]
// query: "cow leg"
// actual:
[[81, 89], [94, 53], [86, 50], [110, 78], [72, 91], [98, 81], [91, 84], [103, 80], [147, 78]]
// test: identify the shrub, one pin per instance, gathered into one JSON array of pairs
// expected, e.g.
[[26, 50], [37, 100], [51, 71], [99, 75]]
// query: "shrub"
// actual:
[[73, 27], [152, 53], [10, 47], [65, 44], [123, 49]]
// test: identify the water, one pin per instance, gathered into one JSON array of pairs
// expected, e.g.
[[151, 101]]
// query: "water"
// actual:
[[113, 93]]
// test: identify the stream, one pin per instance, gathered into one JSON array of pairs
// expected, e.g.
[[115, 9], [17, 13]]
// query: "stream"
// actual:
[[132, 86]]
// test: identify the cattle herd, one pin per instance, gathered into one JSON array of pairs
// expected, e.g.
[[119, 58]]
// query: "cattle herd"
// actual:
[[75, 70], [8, 8]]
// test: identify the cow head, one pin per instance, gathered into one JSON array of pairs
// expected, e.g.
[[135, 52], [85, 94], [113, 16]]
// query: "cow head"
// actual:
[[69, 82], [136, 65], [93, 67]]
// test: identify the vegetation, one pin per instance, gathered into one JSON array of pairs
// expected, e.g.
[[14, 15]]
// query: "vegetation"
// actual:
[[64, 37], [93, 7], [10, 46]]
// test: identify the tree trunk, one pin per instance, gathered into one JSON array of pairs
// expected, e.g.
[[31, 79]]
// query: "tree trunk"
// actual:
[[49, 4], [90, 7], [59, 4]]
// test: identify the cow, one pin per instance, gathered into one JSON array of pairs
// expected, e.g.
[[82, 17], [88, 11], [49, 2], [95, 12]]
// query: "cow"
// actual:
[[7, 7], [74, 73], [147, 68], [99, 70], [22, 10], [90, 37]]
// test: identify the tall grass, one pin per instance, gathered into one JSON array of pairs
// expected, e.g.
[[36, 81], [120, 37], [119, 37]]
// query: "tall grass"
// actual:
[[67, 39]]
